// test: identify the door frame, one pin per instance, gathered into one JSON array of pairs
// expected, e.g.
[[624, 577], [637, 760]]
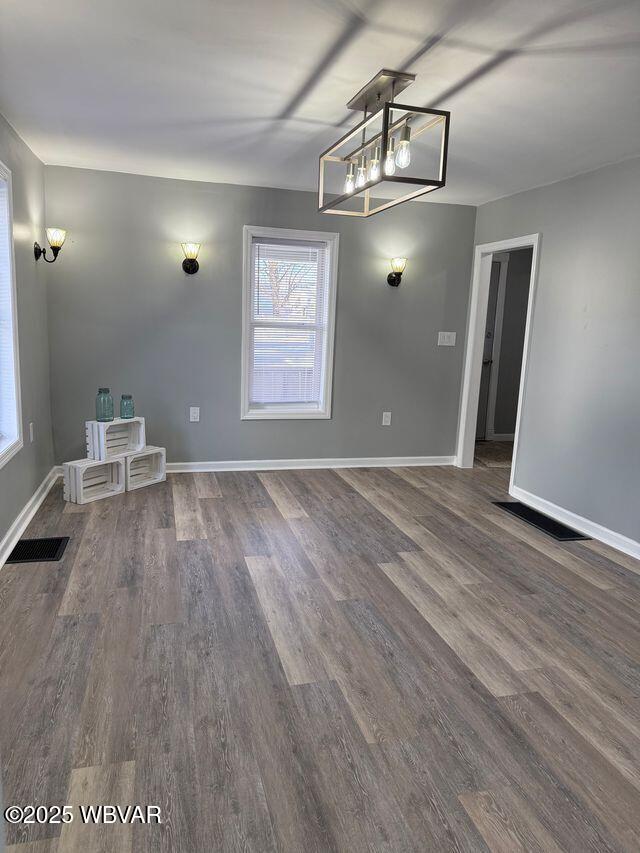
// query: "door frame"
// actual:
[[490, 433], [480, 280]]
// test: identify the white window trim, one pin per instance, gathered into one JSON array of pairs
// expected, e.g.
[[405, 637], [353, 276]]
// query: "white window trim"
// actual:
[[281, 411], [9, 447]]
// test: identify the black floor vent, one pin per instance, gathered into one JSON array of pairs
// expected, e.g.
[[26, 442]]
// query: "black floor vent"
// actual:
[[38, 550], [542, 522]]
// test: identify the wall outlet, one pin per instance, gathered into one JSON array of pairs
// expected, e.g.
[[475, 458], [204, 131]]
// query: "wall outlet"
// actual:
[[31, 432], [386, 419], [194, 414], [446, 339]]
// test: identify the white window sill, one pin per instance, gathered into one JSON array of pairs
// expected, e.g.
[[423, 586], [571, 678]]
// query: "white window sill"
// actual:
[[8, 448], [284, 414]]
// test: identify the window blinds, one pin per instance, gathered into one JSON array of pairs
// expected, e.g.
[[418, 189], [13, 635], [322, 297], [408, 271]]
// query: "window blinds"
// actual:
[[289, 302], [8, 386]]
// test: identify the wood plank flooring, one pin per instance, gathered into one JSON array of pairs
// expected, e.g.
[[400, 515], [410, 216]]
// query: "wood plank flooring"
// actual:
[[493, 454], [354, 660]]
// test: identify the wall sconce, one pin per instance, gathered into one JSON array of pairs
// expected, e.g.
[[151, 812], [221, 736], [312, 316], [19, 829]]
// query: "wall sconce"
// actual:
[[56, 238], [397, 267], [190, 264]]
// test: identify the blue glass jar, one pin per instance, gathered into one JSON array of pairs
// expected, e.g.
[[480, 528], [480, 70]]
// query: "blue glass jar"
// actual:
[[126, 406], [104, 405]]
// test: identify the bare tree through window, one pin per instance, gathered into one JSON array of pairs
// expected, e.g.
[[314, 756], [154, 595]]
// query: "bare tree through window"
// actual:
[[284, 280]]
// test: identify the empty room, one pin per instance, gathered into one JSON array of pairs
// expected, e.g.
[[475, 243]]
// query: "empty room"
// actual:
[[320, 426]]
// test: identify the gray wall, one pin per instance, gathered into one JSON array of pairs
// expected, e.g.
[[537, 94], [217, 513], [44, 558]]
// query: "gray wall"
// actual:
[[21, 476], [580, 429], [512, 340], [123, 314]]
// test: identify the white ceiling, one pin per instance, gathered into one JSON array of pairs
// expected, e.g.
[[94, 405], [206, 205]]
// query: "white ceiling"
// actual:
[[250, 91]]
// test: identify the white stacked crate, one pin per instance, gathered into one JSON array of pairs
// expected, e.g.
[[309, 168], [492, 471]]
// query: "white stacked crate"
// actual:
[[111, 439], [87, 480], [118, 458], [146, 467]]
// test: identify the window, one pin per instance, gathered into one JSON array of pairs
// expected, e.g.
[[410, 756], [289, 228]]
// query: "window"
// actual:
[[288, 323], [10, 419]]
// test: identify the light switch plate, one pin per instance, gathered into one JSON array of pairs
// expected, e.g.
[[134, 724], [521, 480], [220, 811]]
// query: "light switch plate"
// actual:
[[194, 414], [386, 419], [446, 339]]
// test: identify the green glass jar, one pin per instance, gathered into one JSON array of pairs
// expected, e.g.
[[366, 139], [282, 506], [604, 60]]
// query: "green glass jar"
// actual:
[[126, 406], [104, 405]]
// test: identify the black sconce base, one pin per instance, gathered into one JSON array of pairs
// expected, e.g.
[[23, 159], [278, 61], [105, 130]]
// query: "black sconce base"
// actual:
[[394, 278], [190, 266], [39, 252]]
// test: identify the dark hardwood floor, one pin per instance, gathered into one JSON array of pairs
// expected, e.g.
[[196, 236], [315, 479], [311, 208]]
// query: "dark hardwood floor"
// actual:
[[355, 660], [493, 454]]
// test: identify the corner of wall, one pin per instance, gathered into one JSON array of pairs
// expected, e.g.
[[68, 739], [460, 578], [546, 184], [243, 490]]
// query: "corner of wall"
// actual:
[[23, 475]]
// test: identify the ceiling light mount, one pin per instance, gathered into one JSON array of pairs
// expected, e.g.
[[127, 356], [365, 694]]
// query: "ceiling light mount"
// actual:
[[385, 138], [382, 88]]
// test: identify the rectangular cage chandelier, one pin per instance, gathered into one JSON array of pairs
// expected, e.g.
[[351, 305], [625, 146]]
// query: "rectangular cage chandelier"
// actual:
[[380, 163]]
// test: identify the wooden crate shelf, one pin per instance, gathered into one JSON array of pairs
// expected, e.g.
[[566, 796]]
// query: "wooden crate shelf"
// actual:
[[145, 467], [87, 480], [114, 438]]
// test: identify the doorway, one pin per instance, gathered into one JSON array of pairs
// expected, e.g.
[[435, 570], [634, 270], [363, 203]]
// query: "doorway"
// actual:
[[485, 423], [502, 357], [494, 382]]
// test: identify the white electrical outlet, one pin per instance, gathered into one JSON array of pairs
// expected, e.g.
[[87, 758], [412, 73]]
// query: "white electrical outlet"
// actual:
[[386, 419], [446, 339], [194, 414], [31, 432]]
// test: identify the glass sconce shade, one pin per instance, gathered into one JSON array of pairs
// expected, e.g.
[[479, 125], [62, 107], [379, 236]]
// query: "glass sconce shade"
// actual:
[[397, 268], [190, 264], [190, 250], [56, 237], [398, 265]]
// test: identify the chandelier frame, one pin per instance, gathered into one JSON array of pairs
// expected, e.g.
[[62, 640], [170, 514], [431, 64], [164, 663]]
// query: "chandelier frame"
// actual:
[[360, 102]]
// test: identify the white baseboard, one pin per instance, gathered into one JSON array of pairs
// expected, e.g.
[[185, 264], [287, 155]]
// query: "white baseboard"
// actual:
[[578, 522], [26, 514], [283, 464]]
